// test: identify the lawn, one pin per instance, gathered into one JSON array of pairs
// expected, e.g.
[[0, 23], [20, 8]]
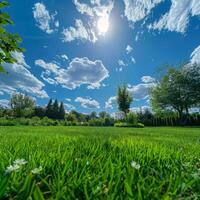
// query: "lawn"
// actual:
[[99, 163]]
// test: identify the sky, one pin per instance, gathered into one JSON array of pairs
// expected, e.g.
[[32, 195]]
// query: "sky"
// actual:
[[80, 51]]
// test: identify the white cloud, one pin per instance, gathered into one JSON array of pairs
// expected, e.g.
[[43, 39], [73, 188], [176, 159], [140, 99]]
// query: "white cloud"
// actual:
[[51, 67], [121, 63], [82, 71], [69, 106], [68, 99], [177, 18], [4, 103], [46, 76], [64, 57], [109, 103], [129, 49], [141, 109], [195, 56], [133, 60], [97, 10], [45, 21], [136, 10], [19, 78], [141, 90], [94, 11], [148, 79], [79, 32], [87, 103]]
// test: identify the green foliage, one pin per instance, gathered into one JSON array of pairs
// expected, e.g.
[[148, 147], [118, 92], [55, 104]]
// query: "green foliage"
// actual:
[[9, 43], [124, 124], [96, 122], [177, 90], [124, 99], [132, 118], [22, 105], [54, 110], [96, 163], [61, 111]]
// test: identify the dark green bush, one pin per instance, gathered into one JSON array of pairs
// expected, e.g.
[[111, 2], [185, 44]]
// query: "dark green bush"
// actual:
[[7, 122]]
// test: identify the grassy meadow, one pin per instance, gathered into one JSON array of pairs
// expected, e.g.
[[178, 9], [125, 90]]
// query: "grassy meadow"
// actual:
[[99, 163]]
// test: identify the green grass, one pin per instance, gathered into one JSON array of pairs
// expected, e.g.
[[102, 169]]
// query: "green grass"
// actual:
[[95, 163]]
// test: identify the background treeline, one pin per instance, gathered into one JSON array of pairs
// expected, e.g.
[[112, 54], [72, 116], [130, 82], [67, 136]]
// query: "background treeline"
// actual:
[[23, 111]]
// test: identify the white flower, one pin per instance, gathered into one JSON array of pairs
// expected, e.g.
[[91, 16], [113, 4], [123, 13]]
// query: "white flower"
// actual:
[[12, 168], [87, 163], [20, 162], [135, 165], [37, 170]]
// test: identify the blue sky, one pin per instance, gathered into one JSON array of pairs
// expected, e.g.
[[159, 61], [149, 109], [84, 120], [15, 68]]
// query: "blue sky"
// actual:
[[79, 51]]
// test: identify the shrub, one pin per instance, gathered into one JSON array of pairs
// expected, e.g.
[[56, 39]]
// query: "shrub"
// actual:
[[123, 124], [131, 118], [96, 122], [7, 122]]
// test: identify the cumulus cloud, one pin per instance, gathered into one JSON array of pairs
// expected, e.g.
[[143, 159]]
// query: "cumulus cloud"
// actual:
[[51, 67], [69, 106], [45, 21], [19, 78], [64, 57], [136, 10], [109, 103], [195, 56], [141, 90], [177, 18], [87, 103], [129, 49], [141, 109], [87, 32], [4, 103], [97, 9], [82, 71], [79, 32], [148, 79]]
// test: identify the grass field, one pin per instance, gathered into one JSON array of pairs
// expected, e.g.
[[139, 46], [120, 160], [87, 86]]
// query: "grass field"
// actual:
[[99, 163]]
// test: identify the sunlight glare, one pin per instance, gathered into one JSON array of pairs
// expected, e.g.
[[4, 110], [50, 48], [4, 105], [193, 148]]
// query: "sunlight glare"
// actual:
[[103, 25]]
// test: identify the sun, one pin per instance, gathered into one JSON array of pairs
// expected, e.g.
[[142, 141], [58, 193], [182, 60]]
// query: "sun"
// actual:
[[103, 25]]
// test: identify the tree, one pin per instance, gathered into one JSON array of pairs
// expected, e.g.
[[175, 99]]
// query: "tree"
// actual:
[[93, 115], [49, 109], [103, 114], [177, 90], [55, 110], [39, 111], [61, 111], [22, 105], [124, 99], [9, 43]]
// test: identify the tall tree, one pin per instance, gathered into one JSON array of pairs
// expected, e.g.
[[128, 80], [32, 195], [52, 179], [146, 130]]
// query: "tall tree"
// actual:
[[103, 114], [8, 42], [22, 105], [55, 114], [177, 90], [49, 109], [93, 115], [124, 99], [61, 112]]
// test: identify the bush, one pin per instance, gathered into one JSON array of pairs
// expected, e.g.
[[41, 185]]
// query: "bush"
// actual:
[[123, 124], [139, 125], [131, 118], [7, 122], [96, 122]]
